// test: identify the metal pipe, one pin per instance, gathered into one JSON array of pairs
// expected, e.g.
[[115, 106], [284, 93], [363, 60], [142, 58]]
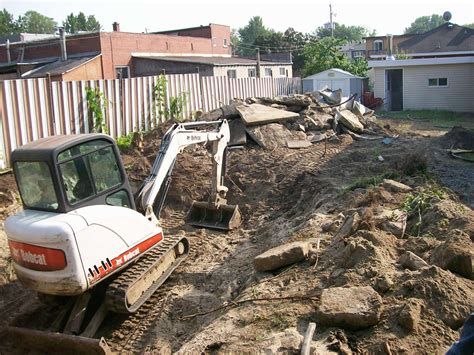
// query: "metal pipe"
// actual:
[[7, 46], [62, 41]]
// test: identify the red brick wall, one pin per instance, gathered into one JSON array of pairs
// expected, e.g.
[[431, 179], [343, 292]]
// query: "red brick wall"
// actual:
[[47, 49], [117, 47]]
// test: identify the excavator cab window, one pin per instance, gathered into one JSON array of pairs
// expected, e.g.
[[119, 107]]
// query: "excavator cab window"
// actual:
[[88, 169], [36, 185]]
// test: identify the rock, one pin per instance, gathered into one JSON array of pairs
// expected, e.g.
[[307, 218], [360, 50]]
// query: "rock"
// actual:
[[412, 261], [316, 137], [361, 111], [213, 115], [292, 100], [395, 186], [348, 119], [350, 225], [383, 284], [353, 307], [270, 135], [392, 221], [410, 315], [280, 256], [257, 114], [287, 342], [456, 254], [297, 144]]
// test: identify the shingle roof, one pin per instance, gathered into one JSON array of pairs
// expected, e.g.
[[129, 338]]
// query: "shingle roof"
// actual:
[[445, 38], [217, 61]]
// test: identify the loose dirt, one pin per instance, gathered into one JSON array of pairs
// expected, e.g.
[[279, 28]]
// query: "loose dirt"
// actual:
[[289, 195]]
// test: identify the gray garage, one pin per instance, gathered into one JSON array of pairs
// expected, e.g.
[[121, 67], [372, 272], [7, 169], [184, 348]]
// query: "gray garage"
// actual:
[[335, 79]]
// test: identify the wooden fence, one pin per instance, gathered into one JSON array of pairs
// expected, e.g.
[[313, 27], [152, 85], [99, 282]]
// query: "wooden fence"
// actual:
[[36, 108]]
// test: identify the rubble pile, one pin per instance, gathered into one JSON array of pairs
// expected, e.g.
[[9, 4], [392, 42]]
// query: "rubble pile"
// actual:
[[312, 117]]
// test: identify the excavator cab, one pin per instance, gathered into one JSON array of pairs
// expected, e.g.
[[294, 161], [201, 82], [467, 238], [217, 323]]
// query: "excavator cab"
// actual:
[[63, 173]]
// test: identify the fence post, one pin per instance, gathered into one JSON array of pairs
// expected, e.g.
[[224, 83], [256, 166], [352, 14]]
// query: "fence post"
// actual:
[[52, 120]]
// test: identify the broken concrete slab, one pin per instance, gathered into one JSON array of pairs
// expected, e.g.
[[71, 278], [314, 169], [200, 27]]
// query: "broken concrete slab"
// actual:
[[238, 135], [352, 307], [362, 111], [280, 256], [392, 221], [297, 144], [395, 186], [348, 119], [316, 137], [291, 100], [257, 114], [412, 261], [350, 225], [331, 97]]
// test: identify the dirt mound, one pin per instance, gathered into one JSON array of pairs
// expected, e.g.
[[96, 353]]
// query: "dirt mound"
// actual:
[[458, 138]]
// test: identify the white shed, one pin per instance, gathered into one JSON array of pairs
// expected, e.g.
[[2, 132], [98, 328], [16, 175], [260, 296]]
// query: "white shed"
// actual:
[[335, 79]]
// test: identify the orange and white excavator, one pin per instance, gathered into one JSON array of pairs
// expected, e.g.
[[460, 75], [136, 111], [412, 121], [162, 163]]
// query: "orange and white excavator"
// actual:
[[80, 234]]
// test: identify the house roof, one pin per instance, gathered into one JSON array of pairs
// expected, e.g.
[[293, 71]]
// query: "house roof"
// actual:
[[215, 61], [185, 29], [419, 62], [361, 46], [339, 71], [58, 67], [448, 37]]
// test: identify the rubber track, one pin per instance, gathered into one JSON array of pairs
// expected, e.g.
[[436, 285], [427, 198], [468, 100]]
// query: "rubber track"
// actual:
[[117, 290]]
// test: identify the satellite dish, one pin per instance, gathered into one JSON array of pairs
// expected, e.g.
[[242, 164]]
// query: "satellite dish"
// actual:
[[447, 16]]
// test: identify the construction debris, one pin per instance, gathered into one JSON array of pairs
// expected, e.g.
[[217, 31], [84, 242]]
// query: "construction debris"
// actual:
[[257, 114], [280, 256], [350, 307]]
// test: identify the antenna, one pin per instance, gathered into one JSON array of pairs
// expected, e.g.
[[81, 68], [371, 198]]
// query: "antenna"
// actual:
[[447, 16]]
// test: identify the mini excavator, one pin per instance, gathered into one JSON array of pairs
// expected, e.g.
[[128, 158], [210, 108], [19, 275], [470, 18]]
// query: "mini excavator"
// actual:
[[83, 235]]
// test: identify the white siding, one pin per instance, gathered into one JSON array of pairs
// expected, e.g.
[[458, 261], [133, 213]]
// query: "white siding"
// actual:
[[242, 70], [417, 95]]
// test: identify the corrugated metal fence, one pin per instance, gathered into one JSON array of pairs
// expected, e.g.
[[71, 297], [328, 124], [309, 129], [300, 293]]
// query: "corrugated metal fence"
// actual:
[[36, 108]]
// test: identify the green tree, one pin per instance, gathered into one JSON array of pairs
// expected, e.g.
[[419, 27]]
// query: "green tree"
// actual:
[[469, 25], [424, 24], [249, 34], [79, 22], [347, 33], [92, 24], [324, 54], [8, 25], [34, 22]]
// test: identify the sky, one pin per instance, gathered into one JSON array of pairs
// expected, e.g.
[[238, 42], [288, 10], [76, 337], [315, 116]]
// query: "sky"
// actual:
[[385, 16]]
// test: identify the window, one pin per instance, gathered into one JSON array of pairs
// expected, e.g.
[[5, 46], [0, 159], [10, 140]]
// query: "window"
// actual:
[[36, 185], [88, 169], [119, 198], [252, 73], [232, 73], [435, 82], [282, 71], [224, 43], [268, 72], [378, 45], [122, 72], [331, 75]]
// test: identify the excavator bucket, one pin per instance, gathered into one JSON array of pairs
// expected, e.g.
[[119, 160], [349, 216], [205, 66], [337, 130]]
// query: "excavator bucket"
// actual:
[[56, 343], [204, 214]]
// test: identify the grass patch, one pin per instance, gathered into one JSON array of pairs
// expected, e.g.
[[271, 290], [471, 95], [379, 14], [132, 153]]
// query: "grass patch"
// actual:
[[435, 117], [366, 181], [125, 142]]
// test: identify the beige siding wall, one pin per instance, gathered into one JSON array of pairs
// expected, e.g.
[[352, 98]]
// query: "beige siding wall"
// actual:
[[457, 96], [242, 70]]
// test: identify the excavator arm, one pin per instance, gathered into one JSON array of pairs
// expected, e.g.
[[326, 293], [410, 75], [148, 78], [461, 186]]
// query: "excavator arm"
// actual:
[[214, 213]]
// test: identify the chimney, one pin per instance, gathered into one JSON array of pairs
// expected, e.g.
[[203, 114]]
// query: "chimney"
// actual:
[[7, 47], [62, 42], [390, 55], [116, 26]]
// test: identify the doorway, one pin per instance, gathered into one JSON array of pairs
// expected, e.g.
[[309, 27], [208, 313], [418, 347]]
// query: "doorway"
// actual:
[[394, 89]]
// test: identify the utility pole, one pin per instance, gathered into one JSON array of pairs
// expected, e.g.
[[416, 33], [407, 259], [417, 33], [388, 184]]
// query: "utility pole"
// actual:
[[258, 62], [330, 20]]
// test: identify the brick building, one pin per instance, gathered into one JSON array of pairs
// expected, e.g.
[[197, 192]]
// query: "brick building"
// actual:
[[114, 49]]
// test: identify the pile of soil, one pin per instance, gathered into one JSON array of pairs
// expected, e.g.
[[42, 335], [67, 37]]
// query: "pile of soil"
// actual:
[[458, 138], [297, 195]]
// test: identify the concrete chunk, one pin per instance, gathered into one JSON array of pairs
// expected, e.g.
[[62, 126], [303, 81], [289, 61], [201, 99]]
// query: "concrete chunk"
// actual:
[[412, 261], [257, 114], [296, 144], [351, 307], [348, 119], [280, 256], [395, 186]]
